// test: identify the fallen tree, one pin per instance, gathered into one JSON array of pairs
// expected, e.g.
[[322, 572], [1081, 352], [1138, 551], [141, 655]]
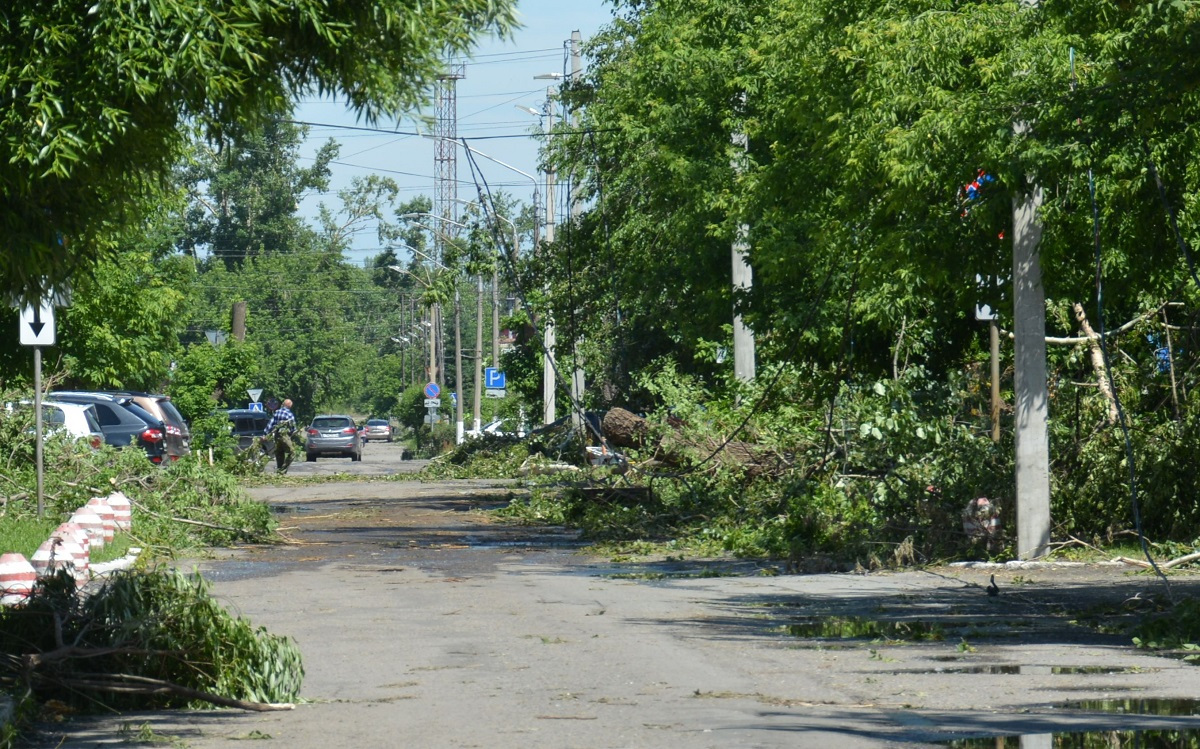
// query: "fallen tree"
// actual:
[[145, 639]]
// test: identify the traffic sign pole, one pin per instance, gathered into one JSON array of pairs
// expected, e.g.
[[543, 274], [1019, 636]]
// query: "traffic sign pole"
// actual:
[[37, 410]]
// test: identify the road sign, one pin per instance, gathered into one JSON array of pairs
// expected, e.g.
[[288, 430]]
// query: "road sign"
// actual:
[[432, 390], [37, 325], [454, 399], [494, 379], [256, 406], [255, 394], [495, 392], [433, 402], [984, 312]]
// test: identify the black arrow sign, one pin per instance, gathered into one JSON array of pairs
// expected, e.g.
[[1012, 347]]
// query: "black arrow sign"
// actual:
[[37, 324]]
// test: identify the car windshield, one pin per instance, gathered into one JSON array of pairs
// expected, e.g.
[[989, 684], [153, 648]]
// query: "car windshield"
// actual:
[[376, 423], [326, 423]]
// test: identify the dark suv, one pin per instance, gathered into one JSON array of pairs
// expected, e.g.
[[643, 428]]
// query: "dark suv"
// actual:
[[122, 421], [246, 426]]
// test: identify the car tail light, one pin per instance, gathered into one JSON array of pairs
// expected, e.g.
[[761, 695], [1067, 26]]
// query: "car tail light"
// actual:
[[152, 435], [156, 459], [313, 432], [349, 430], [96, 442]]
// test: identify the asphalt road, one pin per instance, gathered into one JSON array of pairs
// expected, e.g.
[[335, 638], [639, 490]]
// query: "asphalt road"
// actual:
[[427, 623], [378, 459]]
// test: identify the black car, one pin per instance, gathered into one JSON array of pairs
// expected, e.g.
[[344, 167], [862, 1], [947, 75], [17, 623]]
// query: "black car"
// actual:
[[122, 421], [247, 426]]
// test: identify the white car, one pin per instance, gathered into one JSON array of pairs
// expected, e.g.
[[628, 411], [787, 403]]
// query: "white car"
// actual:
[[76, 419]]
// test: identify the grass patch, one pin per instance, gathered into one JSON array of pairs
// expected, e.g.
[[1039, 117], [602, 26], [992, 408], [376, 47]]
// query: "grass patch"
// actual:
[[25, 535]]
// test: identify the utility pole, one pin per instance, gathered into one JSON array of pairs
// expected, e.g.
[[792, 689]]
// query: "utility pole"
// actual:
[[1032, 396], [548, 336], [1032, 392], [476, 423], [238, 322], [459, 396], [577, 374], [743, 278]]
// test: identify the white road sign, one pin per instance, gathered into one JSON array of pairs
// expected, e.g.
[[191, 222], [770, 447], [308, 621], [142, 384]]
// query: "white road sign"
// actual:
[[37, 325], [255, 394]]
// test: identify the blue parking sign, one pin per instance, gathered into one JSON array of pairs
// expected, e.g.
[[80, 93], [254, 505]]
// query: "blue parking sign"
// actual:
[[255, 406], [493, 378]]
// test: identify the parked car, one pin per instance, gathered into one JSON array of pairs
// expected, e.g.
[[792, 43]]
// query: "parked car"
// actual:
[[247, 426], [123, 422], [179, 435], [75, 419], [332, 435], [378, 429]]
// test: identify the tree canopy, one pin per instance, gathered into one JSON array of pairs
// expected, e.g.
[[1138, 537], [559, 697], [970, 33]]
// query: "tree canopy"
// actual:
[[99, 97]]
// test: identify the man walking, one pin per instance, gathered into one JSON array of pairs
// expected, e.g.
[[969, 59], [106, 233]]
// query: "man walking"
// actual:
[[282, 428]]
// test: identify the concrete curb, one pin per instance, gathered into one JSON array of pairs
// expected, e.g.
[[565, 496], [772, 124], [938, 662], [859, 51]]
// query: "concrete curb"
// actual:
[[1018, 564], [124, 563]]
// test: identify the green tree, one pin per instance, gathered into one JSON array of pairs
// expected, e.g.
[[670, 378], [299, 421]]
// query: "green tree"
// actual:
[[246, 190], [101, 99]]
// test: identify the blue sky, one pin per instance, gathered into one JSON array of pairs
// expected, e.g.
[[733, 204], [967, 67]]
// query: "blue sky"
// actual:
[[499, 79]]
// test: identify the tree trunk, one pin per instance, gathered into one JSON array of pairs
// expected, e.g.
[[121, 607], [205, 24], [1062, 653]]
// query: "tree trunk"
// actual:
[[623, 428], [1097, 362]]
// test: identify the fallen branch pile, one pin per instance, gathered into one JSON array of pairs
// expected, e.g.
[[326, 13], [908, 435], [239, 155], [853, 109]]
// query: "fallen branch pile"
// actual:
[[145, 640]]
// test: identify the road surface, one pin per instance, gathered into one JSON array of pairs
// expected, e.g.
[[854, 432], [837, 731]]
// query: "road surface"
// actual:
[[426, 622]]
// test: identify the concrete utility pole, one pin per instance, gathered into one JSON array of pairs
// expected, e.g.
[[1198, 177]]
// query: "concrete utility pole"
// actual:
[[1032, 392], [577, 376], [460, 396], [478, 404], [548, 335], [1032, 395], [743, 278]]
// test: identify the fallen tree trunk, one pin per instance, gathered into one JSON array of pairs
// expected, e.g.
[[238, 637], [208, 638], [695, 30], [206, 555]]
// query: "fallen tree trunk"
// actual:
[[623, 428]]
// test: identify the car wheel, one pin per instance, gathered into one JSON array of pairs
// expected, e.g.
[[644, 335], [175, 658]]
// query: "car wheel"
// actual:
[[310, 457]]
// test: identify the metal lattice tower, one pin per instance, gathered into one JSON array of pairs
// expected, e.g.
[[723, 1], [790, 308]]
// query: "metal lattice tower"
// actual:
[[445, 157]]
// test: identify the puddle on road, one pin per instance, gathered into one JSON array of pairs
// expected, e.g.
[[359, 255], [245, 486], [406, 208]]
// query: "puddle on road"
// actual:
[[902, 630], [1166, 739], [1140, 706], [1029, 670]]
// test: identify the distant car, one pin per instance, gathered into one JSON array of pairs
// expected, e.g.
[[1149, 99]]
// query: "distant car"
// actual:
[[332, 435], [378, 429], [179, 435], [247, 426], [124, 422], [77, 420]]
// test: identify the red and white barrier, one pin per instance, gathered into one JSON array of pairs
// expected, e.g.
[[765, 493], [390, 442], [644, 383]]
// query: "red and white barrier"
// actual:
[[77, 544], [17, 577], [122, 510], [85, 518], [107, 516]]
